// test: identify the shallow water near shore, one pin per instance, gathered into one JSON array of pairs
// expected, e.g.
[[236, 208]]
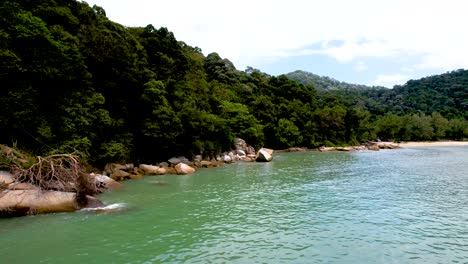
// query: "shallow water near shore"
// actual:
[[392, 206]]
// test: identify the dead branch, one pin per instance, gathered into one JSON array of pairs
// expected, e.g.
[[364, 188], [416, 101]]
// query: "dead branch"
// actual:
[[59, 172]]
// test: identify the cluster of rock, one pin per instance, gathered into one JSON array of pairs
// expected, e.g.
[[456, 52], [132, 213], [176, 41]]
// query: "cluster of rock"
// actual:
[[18, 198], [371, 145], [181, 165]]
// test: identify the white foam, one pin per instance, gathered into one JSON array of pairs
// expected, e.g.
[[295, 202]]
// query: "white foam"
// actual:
[[110, 207]]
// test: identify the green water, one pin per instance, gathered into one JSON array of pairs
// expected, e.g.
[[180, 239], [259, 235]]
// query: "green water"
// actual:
[[393, 206]]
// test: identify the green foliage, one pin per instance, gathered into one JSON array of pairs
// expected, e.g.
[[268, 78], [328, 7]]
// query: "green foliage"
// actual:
[[73, 80], [288, 134]]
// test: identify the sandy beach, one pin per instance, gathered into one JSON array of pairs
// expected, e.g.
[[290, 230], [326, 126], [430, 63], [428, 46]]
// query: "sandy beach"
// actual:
[[433, 144]]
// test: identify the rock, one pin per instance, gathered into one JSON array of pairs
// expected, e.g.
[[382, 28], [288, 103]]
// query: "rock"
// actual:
[[174, 160], [105, 182], [324, 149], [248, 159], [250, 150], [22, 186], [388, 145], [153, 170], [296, 150], [172, 170], [381, 145], [265, 155], [183, 168], [164, 164], [119, 175], [136, 176], [241, 153], [6, 177], [344, 148], [373, 147], [198, 158], [92, 202], [359, 148], [179, 159], [240, 144], [149, 169], [111, 167], [23, 202], [227, 159], [208, 164]]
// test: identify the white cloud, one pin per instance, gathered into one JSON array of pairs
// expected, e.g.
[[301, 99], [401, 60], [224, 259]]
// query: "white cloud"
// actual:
[[360, 66], [256, 32], [390, 80]]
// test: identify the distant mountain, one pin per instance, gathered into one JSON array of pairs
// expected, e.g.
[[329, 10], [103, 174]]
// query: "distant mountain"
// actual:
[[444, 93], [326, 83]]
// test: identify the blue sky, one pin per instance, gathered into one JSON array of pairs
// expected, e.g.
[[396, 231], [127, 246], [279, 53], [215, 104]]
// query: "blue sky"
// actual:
[[373, 42]]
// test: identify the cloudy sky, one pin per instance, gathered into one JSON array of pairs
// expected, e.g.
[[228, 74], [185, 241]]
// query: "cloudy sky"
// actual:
[[374, 42]]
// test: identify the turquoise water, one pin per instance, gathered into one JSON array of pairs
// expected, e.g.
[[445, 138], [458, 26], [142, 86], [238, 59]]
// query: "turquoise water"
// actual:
[[391, 206]]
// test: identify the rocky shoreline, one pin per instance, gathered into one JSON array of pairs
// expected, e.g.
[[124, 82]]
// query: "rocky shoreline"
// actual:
[[371, 145], [23, 198], [18, 197]]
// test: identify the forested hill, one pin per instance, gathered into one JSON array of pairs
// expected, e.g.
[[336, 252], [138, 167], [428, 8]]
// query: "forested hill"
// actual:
[[72, 80], [445, 93], [326, 83]]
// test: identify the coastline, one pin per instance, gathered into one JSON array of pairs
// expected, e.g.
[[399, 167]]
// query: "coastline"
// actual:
[[410, 144]]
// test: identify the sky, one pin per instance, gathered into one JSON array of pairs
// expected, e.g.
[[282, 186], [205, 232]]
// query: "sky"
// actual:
[[372, 42]]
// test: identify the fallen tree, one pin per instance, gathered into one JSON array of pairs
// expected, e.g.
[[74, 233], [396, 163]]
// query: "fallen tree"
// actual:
[[60, 172], [62, 184]]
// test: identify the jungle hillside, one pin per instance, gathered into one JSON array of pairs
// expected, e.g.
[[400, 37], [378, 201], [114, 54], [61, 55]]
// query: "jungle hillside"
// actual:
[[73, 80]]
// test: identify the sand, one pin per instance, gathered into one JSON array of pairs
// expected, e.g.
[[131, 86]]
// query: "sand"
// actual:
[[434, 144]]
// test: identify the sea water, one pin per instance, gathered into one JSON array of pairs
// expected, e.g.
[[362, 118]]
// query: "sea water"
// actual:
[[391, 206]]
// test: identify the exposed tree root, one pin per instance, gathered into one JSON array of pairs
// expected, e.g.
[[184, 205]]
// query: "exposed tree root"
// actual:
[[60, 172]]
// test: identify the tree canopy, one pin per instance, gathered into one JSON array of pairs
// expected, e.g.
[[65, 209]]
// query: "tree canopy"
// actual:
[[72, 79]]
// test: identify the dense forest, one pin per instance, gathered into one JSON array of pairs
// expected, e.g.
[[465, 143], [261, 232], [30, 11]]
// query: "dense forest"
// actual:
[[71, 79], [325, 82]]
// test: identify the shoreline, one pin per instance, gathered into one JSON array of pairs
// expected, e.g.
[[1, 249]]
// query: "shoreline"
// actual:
[[433, 144]]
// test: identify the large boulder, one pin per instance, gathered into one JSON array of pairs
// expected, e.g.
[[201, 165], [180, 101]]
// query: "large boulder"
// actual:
[[153, 170], [240, 144], [149, 169], [16, 202], [120, 175], [183, 168], [265, 155], [104, 182], [111, 167]]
